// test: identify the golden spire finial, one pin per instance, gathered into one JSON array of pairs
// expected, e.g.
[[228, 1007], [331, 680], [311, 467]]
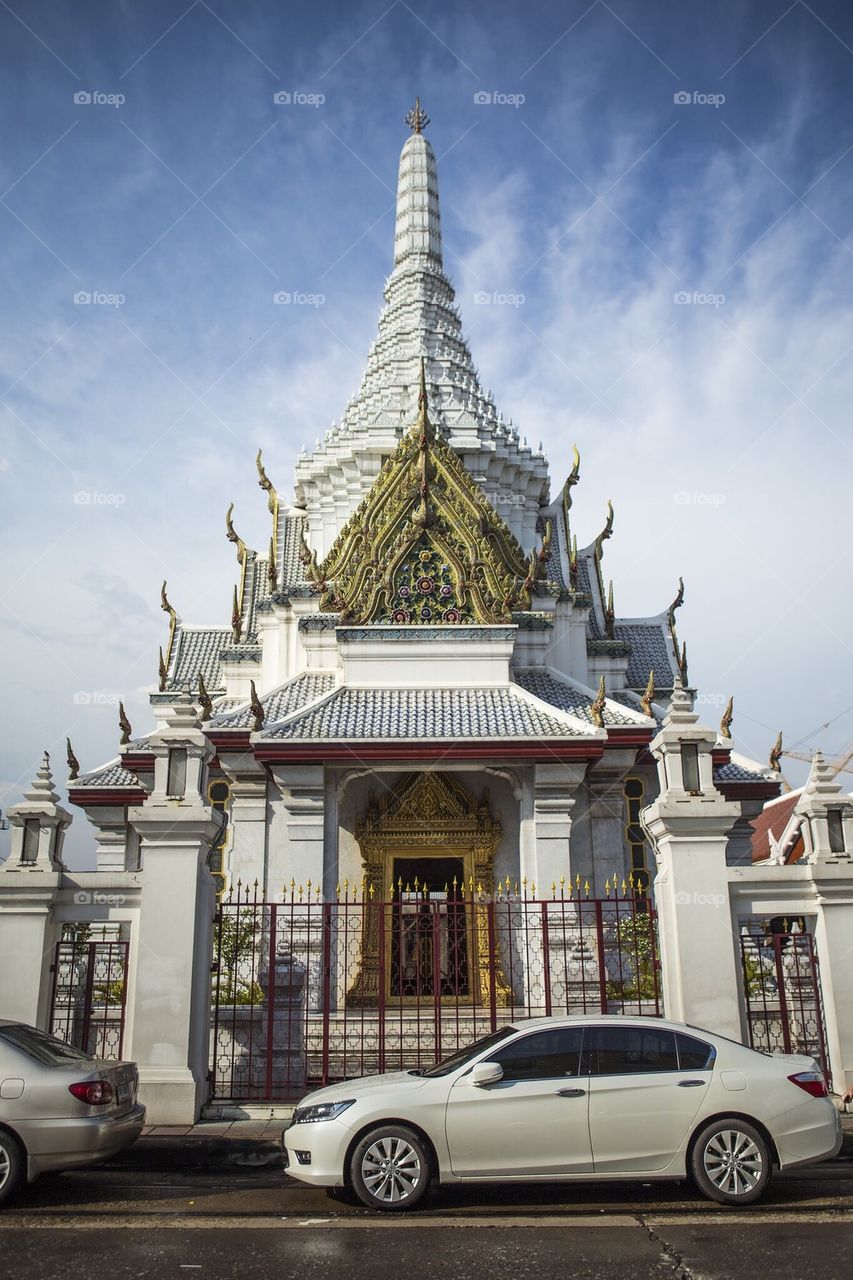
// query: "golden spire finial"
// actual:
[[417, 119], [204, 699], [776, 754], [257, 708], [124, 725], [73, 762], [648, 695], [597, 708], [728, 715], [423, 426], [232, 535]]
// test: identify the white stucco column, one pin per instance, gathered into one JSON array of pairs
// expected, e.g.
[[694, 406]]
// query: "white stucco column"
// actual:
[[688, 827], [298, 825], [606, 780], [547, 858], [248, 854], [170, 1035], [834, 945]]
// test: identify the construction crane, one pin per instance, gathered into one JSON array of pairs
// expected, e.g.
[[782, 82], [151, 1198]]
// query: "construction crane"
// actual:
[[840, 765]]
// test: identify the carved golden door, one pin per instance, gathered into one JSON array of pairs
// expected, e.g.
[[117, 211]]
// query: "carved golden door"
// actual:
[[426, 816]]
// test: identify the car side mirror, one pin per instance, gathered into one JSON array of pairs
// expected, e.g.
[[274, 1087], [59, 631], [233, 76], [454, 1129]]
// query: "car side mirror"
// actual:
[[486, 1073]]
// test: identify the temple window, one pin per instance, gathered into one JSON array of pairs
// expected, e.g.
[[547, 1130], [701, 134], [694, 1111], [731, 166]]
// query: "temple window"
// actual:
[[690, 766], [30, 851], [219, 795], [835, 828], [176, 784], [635, 840]]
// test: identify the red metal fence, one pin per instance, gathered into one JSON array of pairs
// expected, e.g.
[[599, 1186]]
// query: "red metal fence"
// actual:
[[781, 985], [307, 992], [88, 995]]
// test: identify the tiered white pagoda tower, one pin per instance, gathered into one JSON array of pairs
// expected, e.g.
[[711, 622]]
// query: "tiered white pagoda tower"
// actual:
[[423, 648]]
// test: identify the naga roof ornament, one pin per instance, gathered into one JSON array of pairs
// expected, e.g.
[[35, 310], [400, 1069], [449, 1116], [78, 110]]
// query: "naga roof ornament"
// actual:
[[204, 699], [648, 695], [257, 708], [596, 709], [425, 545], [124, 725], [728, 716]]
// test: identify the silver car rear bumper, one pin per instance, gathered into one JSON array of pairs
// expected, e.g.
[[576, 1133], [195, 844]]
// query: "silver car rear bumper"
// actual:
[[68, 1144]]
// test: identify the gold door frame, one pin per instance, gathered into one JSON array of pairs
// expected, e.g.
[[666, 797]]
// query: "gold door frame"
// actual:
[[427, 815]]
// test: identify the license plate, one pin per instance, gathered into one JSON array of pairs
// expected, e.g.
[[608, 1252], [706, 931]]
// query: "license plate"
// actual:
[[123, 1092]]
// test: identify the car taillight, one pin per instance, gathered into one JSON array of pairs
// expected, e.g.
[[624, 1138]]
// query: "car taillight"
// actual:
[[97, 1093], [811, 1082]]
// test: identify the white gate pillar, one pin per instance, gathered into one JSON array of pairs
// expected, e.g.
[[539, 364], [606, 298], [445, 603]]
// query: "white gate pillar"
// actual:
[[170, 1036], [29, 882], [688, 826]]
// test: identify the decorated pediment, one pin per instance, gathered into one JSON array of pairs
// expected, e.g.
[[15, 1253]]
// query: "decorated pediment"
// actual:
[[428, 808], [425, 546]]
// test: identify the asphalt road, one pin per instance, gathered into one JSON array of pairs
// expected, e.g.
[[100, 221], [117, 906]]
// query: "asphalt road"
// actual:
[[227, 1209]]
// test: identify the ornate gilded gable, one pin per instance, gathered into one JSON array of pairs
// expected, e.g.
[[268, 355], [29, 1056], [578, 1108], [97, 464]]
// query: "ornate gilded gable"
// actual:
[[425, 545], [425, 809]]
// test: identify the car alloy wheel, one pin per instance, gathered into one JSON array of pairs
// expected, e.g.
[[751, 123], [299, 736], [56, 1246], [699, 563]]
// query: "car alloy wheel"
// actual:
[[731, 1162], [390, 1169], [11, 1166]]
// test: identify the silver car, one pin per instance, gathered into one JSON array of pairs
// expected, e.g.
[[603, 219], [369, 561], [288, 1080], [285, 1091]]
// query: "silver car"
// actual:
[[59, 1107]]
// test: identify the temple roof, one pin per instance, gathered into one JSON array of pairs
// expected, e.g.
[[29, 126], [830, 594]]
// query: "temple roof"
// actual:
[[567, 695], [389, 714], [282, 702]]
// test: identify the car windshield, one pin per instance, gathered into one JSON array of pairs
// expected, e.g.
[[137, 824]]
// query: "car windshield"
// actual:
[[465, 1055], [41, 1047]]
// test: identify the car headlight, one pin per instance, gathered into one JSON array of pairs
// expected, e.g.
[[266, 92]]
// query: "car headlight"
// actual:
[[321, 1111]]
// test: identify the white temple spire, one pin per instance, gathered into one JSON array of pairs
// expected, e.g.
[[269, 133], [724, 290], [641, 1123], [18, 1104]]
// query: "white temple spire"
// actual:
[[418, 228]]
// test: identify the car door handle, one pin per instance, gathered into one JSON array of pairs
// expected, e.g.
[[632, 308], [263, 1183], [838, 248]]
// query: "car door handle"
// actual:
[[689, 1084], [571, 1093]]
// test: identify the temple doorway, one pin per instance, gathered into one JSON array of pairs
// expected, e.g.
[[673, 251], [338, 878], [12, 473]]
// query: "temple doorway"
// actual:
[[429, 928]]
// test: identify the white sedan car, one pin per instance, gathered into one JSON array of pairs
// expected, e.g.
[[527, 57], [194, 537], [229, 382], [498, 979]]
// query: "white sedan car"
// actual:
[[581, 1099]]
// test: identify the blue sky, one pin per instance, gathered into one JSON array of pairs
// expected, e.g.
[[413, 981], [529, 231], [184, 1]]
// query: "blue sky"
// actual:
[[186, 196]]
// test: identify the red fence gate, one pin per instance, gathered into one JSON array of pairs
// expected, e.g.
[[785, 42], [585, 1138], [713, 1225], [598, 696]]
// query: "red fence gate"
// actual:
[[88, 995], [307, 992], [781, 983]]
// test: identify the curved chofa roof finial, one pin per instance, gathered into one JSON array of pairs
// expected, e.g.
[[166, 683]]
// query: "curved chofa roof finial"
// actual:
[[166, 659], [272, 504], [73, 762], [648, 695], [417, 119], [728, 716], [571, 480], [680, 653], [776, 754]]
